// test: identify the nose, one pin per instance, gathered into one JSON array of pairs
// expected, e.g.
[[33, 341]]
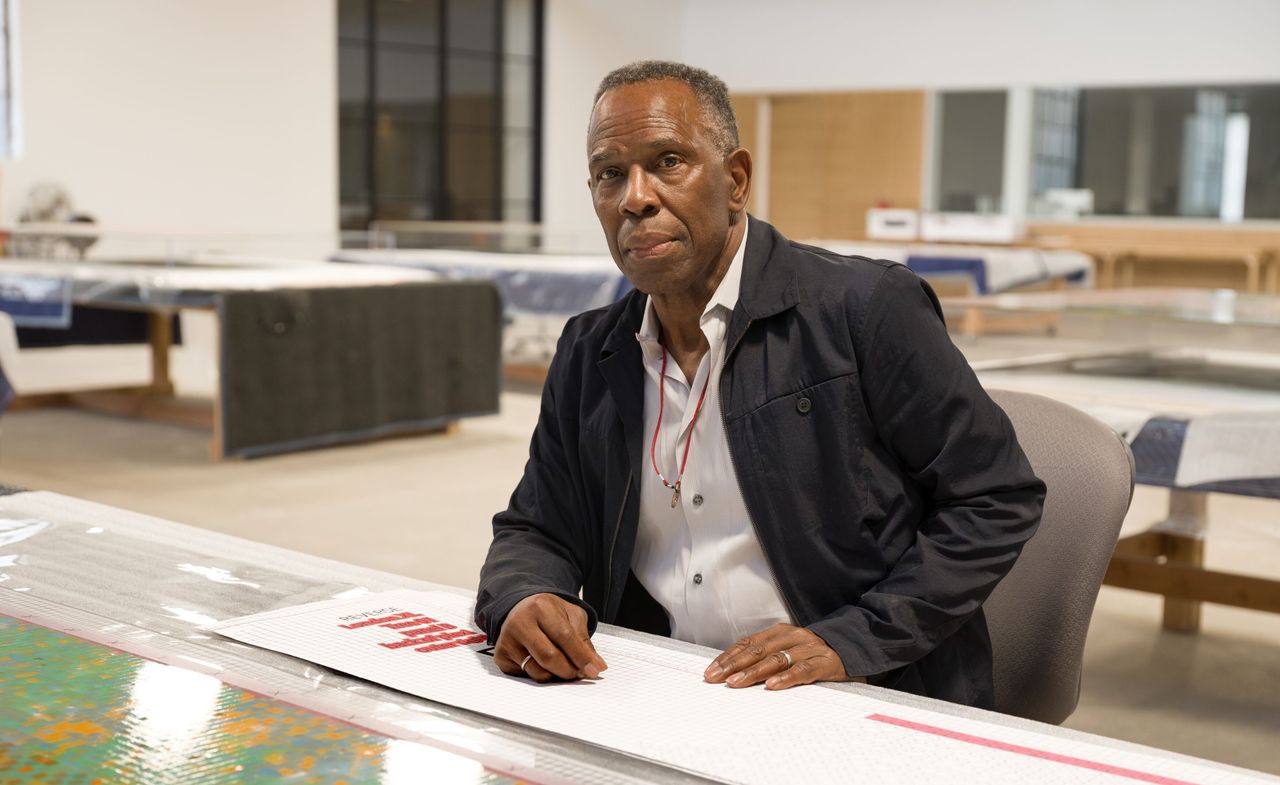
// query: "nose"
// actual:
[[640, 198]]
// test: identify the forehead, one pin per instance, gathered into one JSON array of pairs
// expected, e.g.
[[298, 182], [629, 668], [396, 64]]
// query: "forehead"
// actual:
[[635, 113]]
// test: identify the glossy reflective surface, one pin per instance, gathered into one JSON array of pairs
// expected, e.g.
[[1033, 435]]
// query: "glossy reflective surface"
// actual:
[[1197, 306], [72, 711]]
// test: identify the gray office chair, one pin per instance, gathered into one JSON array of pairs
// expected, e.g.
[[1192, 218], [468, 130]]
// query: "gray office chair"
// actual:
[[1039, 614]]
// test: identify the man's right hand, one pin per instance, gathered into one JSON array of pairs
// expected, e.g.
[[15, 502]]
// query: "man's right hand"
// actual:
[[549, 636]]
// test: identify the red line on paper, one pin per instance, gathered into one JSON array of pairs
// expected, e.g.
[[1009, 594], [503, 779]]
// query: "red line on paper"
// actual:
[[1028, 751], [418, 622], [418, 632]]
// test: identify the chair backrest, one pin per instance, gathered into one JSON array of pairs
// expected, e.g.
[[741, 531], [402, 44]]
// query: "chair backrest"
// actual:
[[8, 341], [9, 359], [1039, 614]]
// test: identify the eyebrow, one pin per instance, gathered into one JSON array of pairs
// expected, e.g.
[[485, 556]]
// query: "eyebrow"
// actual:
[[665, 141]]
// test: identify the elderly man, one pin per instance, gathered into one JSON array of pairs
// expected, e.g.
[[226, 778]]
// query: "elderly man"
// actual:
[[766, 447]]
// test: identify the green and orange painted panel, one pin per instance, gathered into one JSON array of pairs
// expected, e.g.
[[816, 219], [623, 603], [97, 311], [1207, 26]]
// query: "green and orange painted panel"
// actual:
[[72, 711]]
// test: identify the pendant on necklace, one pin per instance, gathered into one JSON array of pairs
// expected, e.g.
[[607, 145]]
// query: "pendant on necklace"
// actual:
[[675, 497]]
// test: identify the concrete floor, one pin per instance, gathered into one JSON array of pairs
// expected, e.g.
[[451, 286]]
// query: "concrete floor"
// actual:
[[421, 507]]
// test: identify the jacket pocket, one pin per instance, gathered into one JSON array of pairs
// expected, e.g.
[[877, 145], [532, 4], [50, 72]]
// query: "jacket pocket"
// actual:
[[808, 450]]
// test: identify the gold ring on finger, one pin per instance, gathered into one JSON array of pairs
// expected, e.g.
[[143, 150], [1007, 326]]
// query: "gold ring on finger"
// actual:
[[786, 655]]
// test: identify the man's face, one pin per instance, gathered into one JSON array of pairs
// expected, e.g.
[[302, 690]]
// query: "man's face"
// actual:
[[663, 189]]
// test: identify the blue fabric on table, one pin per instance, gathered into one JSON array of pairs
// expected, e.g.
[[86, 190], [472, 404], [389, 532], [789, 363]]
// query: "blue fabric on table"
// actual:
[[1158, 449], [530, 291], [976, 269]]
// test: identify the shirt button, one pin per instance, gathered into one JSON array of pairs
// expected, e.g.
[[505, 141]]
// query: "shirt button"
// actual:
[[804, 405], [697, 500], [697, 578]]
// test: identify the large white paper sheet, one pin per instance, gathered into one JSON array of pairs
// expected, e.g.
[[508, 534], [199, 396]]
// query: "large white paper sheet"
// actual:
[[653, 703], [1172, 398], [1005, 268], [94, 279], [1230, 446]]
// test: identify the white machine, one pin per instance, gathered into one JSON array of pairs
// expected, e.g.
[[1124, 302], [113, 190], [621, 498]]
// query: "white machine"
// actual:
[[970, 228], [892, 224]]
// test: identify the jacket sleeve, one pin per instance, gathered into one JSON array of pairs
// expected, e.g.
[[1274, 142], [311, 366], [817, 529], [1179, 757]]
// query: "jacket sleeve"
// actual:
[[982, 500], [538, 542]]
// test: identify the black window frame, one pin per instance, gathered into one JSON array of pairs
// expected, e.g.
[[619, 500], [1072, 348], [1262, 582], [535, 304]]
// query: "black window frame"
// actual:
[[444, 209]]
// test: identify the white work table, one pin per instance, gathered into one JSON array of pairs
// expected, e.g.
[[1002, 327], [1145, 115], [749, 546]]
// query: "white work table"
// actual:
[[154, 588]]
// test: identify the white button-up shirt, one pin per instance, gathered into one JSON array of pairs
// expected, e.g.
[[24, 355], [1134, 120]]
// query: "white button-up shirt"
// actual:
[[701, 560]]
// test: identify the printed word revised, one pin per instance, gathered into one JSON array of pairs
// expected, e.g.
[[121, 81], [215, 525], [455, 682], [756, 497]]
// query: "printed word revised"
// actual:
[[417, 631]]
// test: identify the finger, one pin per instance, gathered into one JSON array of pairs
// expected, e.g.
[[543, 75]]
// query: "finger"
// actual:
[[509, 650], [584, 637], [538, 673], [569, 634], [506, 664], [821, 666], [743, 654], [507, 653], [752, 649], [774, 662], [548, 655]]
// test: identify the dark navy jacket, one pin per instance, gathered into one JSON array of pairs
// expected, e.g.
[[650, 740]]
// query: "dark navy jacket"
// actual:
[[888, 491]]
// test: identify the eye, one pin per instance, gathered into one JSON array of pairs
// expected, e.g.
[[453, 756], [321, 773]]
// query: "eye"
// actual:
[[608, 173], [668, 161]]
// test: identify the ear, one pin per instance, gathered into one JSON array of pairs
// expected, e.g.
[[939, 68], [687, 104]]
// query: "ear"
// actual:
[[737, 167]]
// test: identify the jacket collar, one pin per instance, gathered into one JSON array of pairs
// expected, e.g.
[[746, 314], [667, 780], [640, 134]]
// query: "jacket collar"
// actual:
[[768, 282], [768, 276], [621, 364]]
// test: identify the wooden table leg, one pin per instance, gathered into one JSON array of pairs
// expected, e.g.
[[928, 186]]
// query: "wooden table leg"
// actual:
[[1253, 273], [1168, 559], [1127, 272], [1184, 532], [216, 447], [160, 324], [1107, 271]]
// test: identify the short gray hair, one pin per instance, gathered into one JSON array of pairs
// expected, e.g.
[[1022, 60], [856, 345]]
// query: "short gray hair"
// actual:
[[712, 93]]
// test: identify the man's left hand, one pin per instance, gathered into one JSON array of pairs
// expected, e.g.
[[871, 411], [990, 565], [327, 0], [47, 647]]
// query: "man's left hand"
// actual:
[[782, 656]]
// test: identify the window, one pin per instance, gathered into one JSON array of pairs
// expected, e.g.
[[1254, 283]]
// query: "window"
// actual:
[[1053, 144], [10, 129], [438, 110], [1210, 151], [971, 159]]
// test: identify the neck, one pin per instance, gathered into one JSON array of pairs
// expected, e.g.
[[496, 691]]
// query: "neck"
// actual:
[[680, 313]]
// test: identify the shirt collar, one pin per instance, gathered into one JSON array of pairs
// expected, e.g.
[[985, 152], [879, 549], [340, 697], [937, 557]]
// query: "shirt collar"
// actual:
[[725, 295]]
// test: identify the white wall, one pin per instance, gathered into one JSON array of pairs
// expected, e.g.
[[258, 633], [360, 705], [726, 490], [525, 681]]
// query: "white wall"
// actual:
[[813, 45], [584, 40], [205, 115], [220, 115]]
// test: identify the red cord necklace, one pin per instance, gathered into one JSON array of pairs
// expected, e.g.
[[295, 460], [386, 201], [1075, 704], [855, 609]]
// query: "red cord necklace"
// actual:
[[653, 447]]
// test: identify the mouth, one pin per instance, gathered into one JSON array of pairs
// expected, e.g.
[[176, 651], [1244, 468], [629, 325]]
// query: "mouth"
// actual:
[[649, 248]]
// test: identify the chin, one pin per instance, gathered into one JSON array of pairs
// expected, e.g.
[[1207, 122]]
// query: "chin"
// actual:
[[668, 274], [648, 284]]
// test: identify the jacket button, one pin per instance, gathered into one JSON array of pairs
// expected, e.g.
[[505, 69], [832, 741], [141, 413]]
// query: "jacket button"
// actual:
[[697, 500], [697, 578], [804, 405]]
